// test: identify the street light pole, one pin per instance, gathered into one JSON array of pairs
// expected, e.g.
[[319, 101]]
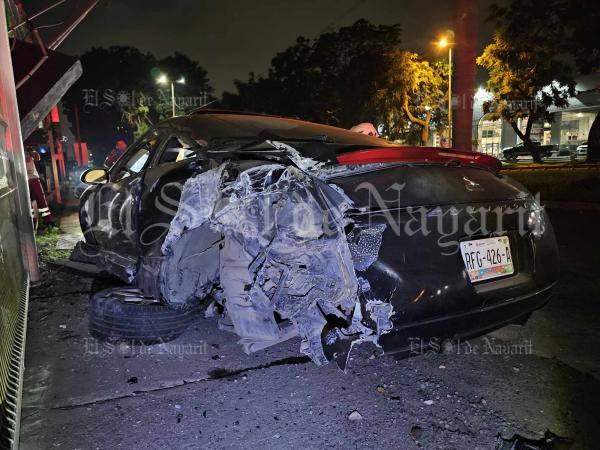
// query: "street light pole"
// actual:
[[163, 79], [450, 96], [173, 97], [443, 43]]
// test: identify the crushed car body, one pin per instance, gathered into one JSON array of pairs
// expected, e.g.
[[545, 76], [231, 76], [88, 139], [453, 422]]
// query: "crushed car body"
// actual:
[[272, 238], [328, 235]]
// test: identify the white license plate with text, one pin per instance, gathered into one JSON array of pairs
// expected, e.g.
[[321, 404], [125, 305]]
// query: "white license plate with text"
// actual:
[[487, 258]]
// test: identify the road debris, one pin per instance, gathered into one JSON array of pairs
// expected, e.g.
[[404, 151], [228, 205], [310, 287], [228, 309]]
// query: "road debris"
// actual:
[[355, 415], [550, 441]]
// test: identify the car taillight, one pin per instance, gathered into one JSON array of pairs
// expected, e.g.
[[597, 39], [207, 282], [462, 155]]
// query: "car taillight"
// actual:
[[536, 221]]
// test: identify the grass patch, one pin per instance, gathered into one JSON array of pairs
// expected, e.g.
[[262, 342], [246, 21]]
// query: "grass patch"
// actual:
[[46, 244], [579, 185], [534, 165]]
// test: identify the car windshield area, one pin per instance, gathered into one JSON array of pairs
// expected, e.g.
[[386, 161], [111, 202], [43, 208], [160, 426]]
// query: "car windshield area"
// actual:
[[207, 127]]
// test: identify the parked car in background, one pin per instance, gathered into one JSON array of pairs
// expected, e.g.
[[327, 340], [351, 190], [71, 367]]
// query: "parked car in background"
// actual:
[[581, 152], [512, 153]]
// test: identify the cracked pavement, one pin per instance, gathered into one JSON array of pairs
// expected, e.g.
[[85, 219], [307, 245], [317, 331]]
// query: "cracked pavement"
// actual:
[[202, 391]]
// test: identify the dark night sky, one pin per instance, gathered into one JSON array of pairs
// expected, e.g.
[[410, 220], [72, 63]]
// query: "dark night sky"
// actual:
[[232, 38]]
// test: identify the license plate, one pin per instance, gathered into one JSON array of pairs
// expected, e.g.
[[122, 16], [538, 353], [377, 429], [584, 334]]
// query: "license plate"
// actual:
[[487, 258]]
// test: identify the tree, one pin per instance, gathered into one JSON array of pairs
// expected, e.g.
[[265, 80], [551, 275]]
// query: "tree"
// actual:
[[410, 93], [535, 38], [117, 95], [526, 78], [569, 27], [352, 75], [138, 117], [110, 78], [328, 79]]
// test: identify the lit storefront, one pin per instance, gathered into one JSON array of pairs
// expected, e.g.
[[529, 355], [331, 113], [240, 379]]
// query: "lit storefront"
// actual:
[[575, 126], [568, 129], [490, 136]]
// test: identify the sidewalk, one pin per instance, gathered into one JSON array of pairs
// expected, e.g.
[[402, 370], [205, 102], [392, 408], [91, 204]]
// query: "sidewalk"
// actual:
[[71, 231]]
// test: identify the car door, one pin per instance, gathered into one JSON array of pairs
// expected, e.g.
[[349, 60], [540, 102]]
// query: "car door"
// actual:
[[118, 218], [178, 159]]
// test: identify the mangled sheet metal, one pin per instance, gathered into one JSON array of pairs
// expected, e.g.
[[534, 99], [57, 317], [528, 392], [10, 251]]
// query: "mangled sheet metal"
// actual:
[[550, 441], [271, 240]]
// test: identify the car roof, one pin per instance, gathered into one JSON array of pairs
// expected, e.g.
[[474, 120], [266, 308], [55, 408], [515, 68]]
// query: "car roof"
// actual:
[[175, 120], [230, 111]]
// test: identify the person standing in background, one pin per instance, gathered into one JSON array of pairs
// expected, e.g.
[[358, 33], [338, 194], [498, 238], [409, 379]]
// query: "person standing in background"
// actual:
[[36, 191], [365, 128], [115, 153]]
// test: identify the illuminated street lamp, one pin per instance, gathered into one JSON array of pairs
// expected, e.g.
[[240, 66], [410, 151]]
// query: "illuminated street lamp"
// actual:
[[164, 79], [443, 43]]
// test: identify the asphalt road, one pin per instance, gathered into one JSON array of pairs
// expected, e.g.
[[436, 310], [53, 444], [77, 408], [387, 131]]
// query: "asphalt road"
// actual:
[[202, 391]]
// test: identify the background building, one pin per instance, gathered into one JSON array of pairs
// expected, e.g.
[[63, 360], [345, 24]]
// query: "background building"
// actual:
[[569, 128]]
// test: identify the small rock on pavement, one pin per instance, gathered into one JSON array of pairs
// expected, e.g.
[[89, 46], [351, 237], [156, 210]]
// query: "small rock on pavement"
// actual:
[[429, 402], [354, 415]]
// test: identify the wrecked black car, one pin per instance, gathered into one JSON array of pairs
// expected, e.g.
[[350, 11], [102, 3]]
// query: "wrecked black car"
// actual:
[[286, 228]]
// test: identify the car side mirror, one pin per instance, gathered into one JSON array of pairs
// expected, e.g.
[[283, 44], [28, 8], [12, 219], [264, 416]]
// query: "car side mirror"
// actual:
[[95, 176]]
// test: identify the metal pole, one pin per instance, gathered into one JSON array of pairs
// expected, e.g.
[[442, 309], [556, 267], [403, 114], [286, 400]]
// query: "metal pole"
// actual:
[[466, 24], [77, 128], [54, 44], [450, 97], [62, 36], [173, 97], [37, 14], [53, 162]]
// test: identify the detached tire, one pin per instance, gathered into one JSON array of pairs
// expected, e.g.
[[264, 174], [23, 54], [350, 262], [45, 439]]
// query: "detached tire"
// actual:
[[124, 314]]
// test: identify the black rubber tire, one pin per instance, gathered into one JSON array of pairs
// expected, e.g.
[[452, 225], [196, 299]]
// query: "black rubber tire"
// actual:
[[136, 320]]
